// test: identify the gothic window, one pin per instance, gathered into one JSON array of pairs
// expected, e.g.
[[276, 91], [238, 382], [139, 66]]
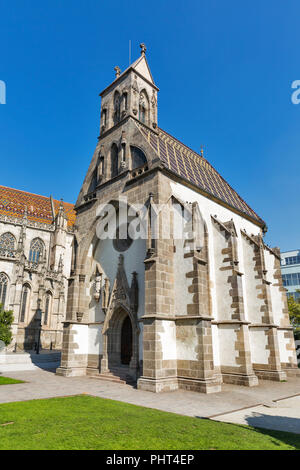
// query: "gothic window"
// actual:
[[24, 302], [104, 118], [123, 153], [74, 255], [117, 106], [138, 158], [7, 244], [48, 304], [94, 181], [142, 114], [124, 103], [3, 287], [114, 160], [36, 250]]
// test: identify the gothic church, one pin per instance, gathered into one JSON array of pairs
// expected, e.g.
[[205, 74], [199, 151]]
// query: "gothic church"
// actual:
[[163, 311]]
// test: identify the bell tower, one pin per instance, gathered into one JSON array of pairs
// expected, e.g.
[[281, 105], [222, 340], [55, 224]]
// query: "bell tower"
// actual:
[[132, 93]]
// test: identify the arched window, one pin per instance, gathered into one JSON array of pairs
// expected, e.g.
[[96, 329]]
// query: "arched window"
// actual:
[[7, 244], [36, 250], [143, 107], [48, 306], [24, 302], [74, 255], [104, 118], [124, 103], [138, 158], [117, 106], [3, 287], [114, 160], [94, 181]]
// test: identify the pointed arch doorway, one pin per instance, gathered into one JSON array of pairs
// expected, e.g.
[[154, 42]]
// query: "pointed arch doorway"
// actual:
[[120, 344], [126, 341]]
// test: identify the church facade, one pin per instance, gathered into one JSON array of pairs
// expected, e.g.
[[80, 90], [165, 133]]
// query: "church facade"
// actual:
[[36, 238], [168, 311]]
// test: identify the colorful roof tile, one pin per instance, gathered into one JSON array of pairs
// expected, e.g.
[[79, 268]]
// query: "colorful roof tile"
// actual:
[[15, 203], [194, 168]]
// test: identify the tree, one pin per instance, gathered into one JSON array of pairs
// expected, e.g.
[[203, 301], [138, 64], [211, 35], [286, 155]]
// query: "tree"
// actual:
[[294, 312], [6, 320]]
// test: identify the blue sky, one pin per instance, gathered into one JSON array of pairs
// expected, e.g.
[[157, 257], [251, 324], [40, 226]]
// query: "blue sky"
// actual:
[[224, 70]]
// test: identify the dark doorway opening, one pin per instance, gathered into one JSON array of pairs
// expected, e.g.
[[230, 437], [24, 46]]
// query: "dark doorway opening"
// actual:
[[126, 341]]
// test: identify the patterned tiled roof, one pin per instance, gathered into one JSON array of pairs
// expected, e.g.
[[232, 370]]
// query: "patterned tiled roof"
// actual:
[[194, 168], [14, 203]]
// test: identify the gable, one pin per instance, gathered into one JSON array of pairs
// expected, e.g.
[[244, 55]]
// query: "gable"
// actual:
[[141, 66]]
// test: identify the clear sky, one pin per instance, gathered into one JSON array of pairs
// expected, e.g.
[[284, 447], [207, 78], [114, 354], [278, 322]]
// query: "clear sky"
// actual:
[[224, 69]]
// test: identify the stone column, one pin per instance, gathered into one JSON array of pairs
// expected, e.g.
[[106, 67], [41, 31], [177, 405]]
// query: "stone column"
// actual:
[[159, 374], [290, 367], [242, 373], [272, 371], [72, 363], [199, 375]]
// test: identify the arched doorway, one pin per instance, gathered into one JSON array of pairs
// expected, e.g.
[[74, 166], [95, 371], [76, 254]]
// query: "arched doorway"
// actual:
[[120, 344], [126, 341]]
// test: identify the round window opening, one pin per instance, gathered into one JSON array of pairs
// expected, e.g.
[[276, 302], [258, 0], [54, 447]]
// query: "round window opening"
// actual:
[[122, 241]]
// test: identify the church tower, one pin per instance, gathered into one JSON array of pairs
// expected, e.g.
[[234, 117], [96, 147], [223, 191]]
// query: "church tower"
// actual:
[[133, 93], [130, 98]]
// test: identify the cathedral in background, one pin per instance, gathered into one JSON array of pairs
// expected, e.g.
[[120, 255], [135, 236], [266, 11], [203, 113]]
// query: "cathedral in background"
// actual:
[[36, 237]]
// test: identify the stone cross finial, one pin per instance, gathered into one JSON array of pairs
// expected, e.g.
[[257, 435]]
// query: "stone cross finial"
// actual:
[[143, 48], [117, 70]]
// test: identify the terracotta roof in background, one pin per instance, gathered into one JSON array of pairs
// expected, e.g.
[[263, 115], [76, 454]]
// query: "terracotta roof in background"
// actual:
[[14, 202], [191, 166]]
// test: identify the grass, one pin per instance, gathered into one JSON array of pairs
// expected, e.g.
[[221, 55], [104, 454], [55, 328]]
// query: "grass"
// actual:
[[9, 381], [85, 422]]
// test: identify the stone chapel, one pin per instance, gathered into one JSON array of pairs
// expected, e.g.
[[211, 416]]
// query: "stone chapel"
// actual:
[[163, 311], [169, 312]]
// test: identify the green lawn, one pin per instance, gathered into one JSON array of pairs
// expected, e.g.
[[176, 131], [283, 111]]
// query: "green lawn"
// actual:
[[85, 422], [8, 381]]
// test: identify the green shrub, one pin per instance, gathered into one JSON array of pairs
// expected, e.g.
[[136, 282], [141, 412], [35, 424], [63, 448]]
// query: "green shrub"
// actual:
[[6, 320]]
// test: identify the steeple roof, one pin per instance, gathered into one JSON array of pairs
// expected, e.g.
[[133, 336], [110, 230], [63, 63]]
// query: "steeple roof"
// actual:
[[140, 66]]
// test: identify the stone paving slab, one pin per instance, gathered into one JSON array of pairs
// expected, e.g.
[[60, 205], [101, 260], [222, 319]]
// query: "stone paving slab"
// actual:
[[45, 384], [282, 415]]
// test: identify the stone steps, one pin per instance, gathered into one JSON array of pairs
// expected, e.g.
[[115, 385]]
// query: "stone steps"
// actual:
[[11, 362], [117, 375]]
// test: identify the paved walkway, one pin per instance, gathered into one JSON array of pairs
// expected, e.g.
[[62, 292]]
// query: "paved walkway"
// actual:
[[283, 415], [45, 384]]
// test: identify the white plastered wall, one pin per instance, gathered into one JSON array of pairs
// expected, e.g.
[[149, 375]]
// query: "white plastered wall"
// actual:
[[182, 266], [227, 339], [81, 333], [258, 344], [108, 258], [254, 304], [224, 336], [168, 340]]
